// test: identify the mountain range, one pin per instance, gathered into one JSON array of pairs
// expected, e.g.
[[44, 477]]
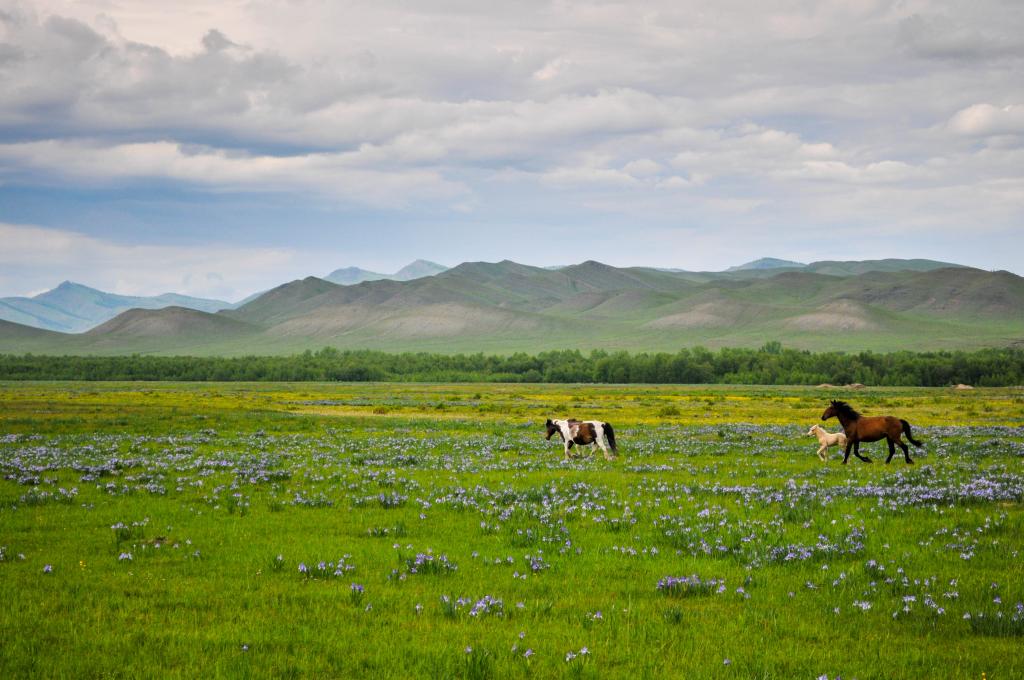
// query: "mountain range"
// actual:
[[73, 308], [881, 305]]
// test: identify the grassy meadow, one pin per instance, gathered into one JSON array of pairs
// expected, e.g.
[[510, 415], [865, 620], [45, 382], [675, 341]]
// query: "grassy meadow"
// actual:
[[383, 530]]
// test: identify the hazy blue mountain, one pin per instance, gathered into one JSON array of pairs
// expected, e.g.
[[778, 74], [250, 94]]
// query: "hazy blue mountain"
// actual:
[[350, 276], [74, 308], [247, 299], [857, 267], [766, 263], [418, 269]]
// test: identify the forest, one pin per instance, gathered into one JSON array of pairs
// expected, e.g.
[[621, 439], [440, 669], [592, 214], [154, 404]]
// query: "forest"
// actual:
[[772, 364]]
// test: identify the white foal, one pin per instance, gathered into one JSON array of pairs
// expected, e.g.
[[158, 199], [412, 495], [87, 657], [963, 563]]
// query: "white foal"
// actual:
[[827, 439]]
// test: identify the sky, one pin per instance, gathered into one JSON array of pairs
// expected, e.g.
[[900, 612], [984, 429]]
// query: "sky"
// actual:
[[221, 148]]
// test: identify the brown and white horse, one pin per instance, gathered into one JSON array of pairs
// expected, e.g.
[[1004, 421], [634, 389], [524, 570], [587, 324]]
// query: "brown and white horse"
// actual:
[[583, 432], [870, 429]]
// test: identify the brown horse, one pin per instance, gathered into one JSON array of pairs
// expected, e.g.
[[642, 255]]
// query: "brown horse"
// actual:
[[870, 429]]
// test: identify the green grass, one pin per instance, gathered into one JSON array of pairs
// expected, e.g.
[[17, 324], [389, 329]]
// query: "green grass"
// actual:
[[213, 482]]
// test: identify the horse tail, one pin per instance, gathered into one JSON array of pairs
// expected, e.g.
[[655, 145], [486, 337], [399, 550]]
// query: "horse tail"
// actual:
[[610, 433], [906, 431]]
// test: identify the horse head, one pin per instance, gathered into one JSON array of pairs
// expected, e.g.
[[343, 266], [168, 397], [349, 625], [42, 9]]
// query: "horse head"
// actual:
[[841, 410], [814, 429], [552, 428]]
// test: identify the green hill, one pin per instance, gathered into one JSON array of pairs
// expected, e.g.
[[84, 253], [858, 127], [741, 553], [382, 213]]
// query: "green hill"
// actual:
[[507, 306], [170, 322]]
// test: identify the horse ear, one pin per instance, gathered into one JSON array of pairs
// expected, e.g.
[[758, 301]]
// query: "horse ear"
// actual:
[[548, 423]]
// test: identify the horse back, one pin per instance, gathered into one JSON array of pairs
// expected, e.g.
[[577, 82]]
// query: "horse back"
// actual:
[[584, 433], [873, 428]]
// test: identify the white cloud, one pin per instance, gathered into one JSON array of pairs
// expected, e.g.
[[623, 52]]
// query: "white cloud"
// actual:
[[35, 259], [588, 175], [643, 167], [838, 171], [982, 120]]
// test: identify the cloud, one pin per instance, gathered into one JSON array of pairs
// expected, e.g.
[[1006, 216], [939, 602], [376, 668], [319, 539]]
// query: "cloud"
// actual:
[[643, 167], [730, 117], [37, 258], [329, 175], [940, 36], [983, 120], [882, 172]]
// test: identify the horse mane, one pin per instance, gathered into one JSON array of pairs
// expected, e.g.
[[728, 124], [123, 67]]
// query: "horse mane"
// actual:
[[846, 410]]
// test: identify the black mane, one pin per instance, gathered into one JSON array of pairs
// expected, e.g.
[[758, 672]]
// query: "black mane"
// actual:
[[844, 409]]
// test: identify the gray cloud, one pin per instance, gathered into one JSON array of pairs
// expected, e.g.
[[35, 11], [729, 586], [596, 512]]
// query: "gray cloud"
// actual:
[[724, 116], [941, 36]]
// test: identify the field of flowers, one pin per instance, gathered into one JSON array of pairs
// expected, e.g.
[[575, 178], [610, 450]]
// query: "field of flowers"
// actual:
[[430, 531]]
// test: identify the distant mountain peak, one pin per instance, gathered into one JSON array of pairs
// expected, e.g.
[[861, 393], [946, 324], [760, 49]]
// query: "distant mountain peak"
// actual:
[[591, 264], [418, 269], [766, 263], [349, 276], [70, 286]]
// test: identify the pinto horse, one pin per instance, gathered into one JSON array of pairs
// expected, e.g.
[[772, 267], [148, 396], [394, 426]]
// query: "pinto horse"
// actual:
[[583, 432], [870, 429]]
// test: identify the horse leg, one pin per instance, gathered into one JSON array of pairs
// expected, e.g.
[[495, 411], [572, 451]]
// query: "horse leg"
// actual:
[[822, 452], [892, 451], [856, 452], [568, 445], [604, 449], [846, 456], [906, 452]]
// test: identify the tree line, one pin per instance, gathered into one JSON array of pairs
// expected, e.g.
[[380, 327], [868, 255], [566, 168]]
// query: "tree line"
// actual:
[[772, 364]]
